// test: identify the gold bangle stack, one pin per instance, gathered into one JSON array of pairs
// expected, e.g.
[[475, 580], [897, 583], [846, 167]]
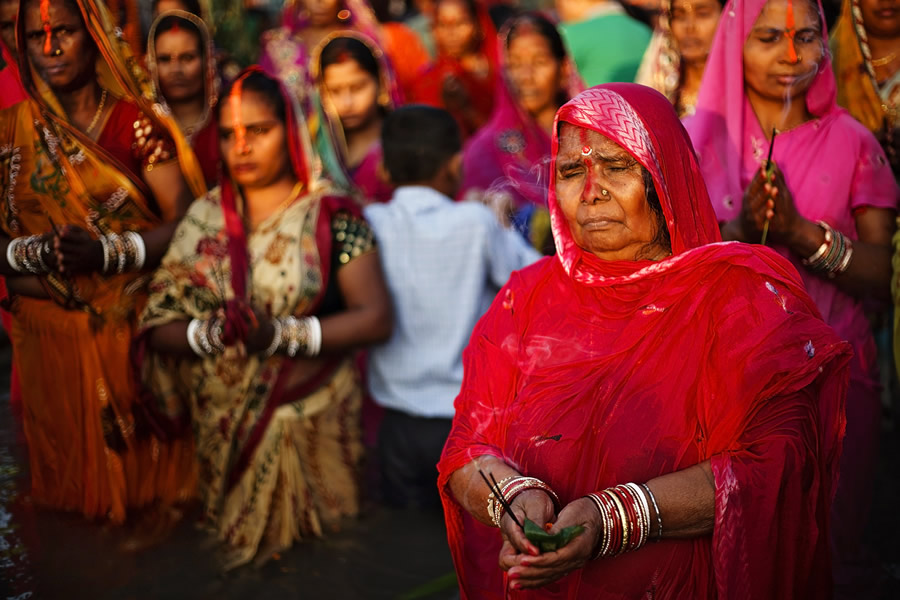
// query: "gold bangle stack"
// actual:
[[511, 487]]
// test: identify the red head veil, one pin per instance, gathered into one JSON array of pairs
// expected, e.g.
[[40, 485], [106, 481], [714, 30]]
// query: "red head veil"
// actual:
[[641, 121], [234, 225], [587, 373]]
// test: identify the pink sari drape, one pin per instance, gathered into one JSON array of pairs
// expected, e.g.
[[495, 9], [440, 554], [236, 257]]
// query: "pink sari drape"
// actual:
[[587, 373], [833, 167]]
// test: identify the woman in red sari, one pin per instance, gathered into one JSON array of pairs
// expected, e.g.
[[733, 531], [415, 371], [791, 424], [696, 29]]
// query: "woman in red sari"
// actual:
[[181, 58], [689, 385], [463, 79]]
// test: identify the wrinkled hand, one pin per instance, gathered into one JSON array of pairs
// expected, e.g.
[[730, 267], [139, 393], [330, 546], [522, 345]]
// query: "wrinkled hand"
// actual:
[[768, 199], [526, 571], [78, 252], [454, 94]]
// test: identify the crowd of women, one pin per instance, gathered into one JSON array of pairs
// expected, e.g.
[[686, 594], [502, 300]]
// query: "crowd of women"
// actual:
[[190, 280]]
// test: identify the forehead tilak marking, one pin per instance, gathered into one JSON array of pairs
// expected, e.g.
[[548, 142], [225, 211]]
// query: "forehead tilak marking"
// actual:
[[45, 23], [234, 103]]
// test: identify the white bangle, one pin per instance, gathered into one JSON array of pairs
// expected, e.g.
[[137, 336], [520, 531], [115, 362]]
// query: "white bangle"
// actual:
[[122, 255], [11, 255], [105, 243], [315, 336], [192, 328], [276, 338], [140, 249]]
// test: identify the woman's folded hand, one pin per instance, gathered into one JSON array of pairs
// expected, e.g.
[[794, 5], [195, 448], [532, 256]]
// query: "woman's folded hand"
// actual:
[[532, 571]]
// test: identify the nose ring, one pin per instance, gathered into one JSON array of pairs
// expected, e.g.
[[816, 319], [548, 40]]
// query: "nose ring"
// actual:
[[604, 192], [57, 52]]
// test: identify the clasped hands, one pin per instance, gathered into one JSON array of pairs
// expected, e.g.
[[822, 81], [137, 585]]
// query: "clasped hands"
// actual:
[[768, 198], [525, 566], [71, 251]]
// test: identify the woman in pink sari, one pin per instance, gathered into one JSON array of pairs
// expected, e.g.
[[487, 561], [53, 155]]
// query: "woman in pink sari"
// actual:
[[689, 385], [357, 90], [510, 156], [831, 202]]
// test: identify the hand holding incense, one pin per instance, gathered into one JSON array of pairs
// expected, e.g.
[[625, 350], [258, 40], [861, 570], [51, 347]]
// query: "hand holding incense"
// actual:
[[537, 535], [770, 170]]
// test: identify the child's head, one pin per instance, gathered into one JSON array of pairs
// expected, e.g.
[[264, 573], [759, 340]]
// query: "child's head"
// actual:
[[421, 146]]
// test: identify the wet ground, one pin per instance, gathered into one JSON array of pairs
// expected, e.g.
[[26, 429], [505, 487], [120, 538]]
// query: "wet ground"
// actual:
[[397, 555]]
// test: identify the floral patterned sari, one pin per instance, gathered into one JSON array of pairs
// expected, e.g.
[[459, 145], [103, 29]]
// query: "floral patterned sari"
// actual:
[[278, 456]]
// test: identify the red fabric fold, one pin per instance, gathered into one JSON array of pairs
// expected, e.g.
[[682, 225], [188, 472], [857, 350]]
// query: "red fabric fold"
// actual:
[[586, 374]]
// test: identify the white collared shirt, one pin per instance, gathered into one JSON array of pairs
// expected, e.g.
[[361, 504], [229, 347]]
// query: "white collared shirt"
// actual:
[[444, 262]]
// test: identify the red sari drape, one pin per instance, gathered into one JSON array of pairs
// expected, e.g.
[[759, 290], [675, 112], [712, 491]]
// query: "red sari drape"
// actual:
[[587, 373]]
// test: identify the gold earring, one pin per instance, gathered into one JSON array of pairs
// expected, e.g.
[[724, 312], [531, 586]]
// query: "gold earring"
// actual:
[[384, 101]]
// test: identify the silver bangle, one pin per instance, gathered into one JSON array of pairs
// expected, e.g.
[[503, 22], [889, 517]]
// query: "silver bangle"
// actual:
[[276, 338], [314, 345], [294, 344], [192, 328], [11, 255], [140, 249], [656, 508], [105, 243], [203, 338]]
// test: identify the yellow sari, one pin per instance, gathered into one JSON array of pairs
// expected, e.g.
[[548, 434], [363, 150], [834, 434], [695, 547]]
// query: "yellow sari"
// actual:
[[89, 450]]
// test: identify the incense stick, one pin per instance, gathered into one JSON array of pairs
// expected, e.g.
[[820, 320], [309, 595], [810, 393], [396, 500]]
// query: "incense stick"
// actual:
[[495, 489], [770, 168]]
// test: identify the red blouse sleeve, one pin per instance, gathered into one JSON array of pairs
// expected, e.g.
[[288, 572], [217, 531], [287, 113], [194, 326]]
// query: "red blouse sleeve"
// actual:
[[131, 138]]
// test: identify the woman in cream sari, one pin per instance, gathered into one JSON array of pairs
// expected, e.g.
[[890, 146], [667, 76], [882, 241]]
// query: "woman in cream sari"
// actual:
[[90, 186], [271, 281]]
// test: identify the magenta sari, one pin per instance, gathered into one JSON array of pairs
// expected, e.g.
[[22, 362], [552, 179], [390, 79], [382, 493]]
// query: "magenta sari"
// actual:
[[833, 167]]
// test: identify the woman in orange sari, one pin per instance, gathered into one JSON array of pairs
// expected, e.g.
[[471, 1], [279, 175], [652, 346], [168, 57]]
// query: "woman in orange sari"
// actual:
[[90, 189]]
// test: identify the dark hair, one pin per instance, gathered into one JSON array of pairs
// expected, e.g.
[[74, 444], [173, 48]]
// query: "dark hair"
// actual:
[[417, 141], [542, 26], [264, 86], [342, 48], [191, 6], [662, 239], [175, 22]]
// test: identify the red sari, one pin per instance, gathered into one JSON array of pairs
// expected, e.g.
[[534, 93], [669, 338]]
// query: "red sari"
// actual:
[[588, 373], [428, 89]]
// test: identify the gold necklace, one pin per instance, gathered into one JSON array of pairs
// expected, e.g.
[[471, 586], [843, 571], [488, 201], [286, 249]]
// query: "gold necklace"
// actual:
[[98, 113], [884, 60]]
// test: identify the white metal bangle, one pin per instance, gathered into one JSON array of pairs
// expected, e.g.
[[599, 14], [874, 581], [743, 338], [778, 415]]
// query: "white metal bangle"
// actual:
[[276, 338], [11, 255], [140, 249], [314, 345], [193, 326], [105, 244]]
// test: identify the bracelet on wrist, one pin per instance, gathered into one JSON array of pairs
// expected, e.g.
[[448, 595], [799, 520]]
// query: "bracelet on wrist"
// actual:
[[625, 518]]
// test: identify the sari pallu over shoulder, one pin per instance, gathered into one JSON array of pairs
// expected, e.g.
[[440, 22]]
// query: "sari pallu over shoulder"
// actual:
[[714, 353], [211, 266], [88, 451]]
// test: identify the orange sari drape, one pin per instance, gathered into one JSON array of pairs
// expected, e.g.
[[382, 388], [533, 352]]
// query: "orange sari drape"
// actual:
[[88, 451]]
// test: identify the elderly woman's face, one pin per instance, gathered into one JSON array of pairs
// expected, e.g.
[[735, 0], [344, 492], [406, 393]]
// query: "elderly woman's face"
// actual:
[[69, 62], [600, 188]]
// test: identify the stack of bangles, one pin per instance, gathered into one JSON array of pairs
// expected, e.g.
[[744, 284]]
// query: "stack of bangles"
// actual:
[[625, 517], [123, 252], [833, 256], [26, 254], [291, 336], [510, 487]]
